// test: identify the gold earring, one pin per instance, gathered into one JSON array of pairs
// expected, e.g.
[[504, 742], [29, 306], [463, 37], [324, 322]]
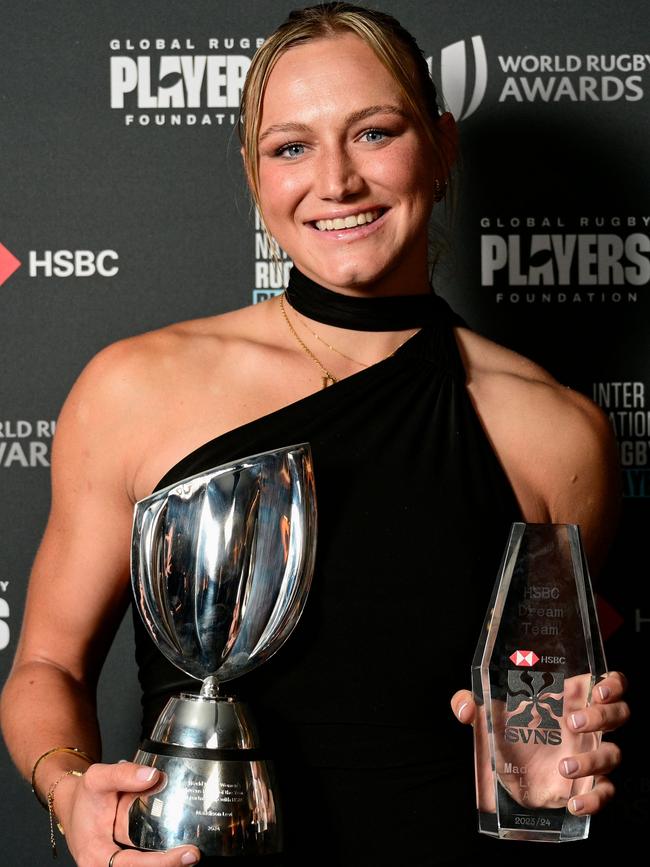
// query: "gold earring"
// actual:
[[439, 190]]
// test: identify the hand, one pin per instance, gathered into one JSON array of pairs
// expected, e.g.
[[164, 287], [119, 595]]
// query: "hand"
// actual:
[[606, 713], [90, 817]]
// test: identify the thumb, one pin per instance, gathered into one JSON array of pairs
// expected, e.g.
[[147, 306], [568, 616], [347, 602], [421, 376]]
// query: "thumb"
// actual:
[[123, 777], [463, 706]]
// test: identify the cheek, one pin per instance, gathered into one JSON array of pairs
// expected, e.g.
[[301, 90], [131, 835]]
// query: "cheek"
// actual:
[[280, 190], [405, 171]]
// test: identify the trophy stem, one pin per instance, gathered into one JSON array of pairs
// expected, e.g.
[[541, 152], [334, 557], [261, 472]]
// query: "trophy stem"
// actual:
[[210, 687]]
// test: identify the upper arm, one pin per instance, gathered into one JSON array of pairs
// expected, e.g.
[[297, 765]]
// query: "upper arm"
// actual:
[[584, 485], [561, 453], [556, 446], [78, 587]]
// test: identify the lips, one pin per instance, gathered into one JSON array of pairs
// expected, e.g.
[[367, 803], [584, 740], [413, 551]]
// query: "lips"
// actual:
[[354, 220]]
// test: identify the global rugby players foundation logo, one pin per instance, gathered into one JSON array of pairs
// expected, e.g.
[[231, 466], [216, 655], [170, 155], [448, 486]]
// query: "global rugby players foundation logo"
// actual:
[[534, 707], [455, 72]]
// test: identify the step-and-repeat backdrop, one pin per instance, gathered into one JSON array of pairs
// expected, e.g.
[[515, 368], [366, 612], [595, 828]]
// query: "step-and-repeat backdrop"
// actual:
[[123, 208]]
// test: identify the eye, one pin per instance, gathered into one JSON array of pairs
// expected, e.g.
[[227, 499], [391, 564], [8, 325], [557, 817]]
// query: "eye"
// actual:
[[375, 135], [291, 150]]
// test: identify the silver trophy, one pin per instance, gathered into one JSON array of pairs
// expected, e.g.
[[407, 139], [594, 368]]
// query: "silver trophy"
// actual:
[[221, 567]]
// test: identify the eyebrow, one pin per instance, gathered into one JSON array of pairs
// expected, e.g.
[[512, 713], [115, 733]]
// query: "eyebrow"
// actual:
[[353, 117]]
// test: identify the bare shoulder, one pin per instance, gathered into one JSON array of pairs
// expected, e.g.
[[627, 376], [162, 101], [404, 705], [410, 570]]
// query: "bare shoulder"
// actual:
[[556, 445], [134, 385], [500, 376], [128, 373], [153, 353]]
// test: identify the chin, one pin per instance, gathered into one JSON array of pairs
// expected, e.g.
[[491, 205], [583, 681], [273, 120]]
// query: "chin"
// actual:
[[346, 275]]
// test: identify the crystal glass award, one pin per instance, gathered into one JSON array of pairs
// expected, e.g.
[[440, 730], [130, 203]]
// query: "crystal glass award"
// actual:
[[221, 567], [539, 656]]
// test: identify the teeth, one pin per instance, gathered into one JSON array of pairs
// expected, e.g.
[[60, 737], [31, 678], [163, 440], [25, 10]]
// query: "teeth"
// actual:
[[347, 223]]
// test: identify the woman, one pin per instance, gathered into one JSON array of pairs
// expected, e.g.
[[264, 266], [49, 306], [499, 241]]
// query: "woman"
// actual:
[[428, 441]]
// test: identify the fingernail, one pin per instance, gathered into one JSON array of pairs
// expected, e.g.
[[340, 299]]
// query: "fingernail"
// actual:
[[146, 775], [461, 709], [122, 761], [570, 765], [578, 720], [604, 692], [189, 858], [577, 804]]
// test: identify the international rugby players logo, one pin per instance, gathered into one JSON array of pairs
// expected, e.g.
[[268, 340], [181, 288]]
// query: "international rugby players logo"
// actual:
[[534, 706]]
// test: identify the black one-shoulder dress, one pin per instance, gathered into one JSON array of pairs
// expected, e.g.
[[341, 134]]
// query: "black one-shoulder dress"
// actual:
[[414, 512]]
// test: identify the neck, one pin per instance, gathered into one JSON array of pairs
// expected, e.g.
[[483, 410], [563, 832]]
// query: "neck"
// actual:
[[396, 312]]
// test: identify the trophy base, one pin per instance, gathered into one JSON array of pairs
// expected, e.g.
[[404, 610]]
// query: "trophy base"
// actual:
[[516, 822], [219, 798]]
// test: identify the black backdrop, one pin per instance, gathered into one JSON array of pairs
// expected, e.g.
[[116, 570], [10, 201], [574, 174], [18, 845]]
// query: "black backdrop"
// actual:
[[123, 208]]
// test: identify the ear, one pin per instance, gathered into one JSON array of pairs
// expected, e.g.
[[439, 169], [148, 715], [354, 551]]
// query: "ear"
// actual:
[[448, 140]]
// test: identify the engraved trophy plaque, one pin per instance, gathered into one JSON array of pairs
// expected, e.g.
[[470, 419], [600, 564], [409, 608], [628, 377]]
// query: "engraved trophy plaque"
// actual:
[[221, 567], [538, 658]]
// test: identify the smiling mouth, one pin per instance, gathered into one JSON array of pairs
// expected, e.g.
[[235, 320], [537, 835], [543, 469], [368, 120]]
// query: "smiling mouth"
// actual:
[[350, 222]]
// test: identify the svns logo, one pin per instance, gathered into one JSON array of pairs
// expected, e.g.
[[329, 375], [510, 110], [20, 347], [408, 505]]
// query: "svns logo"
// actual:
[[454, 70], [534, 707]]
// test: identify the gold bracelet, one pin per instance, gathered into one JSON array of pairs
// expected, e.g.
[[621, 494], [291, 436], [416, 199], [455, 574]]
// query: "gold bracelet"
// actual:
[[50, 808], [74, 751]]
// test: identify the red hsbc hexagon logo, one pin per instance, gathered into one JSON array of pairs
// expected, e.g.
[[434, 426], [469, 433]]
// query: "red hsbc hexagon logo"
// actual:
[[8, 264], [524, 657]]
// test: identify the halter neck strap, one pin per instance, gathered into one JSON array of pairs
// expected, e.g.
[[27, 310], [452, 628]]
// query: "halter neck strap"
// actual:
[[382, 313]]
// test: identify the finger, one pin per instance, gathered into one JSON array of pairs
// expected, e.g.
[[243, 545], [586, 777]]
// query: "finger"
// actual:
[[172, 858], [463, 706], [123, 777], [599, 717], [591, 802], [600, 761], [611, 687]]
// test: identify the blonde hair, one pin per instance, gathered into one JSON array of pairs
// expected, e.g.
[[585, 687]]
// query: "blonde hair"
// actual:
[[394, 46]]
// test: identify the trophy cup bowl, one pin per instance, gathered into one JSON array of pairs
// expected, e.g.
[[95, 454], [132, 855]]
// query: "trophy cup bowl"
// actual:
[[221, 565], [539, 656]]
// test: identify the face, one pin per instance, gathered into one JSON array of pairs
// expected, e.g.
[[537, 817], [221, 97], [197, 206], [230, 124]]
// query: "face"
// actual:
[[338, 142]]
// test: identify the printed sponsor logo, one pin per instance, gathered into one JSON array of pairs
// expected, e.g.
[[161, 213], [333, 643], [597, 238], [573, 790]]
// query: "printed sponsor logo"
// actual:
[[524, 657], [454, 75], [8, 264], [609, 618], [572, 77], [179, 82], [5, 631], [625, 404], [640, 621], [61, 263], [554, 260], [270, 277], [25, 443], [73, 263], [539, 78], [534, 707]]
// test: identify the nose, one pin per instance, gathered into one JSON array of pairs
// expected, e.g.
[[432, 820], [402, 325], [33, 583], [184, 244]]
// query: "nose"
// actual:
[[337, 174]]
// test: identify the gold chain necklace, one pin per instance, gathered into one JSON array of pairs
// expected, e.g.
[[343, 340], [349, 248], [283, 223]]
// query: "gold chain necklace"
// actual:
[[329, 378]]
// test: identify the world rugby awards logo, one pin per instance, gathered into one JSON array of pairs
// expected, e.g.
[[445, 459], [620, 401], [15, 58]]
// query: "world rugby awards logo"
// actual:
[[534, 707], [454, 75]]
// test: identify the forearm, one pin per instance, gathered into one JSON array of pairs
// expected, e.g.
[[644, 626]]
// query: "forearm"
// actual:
[[43, 707]]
